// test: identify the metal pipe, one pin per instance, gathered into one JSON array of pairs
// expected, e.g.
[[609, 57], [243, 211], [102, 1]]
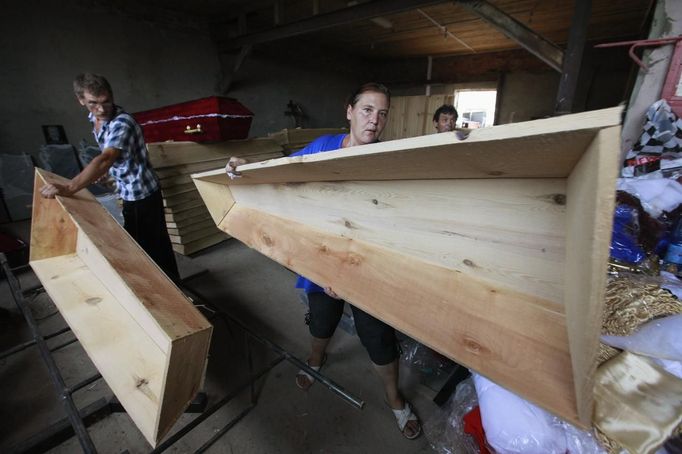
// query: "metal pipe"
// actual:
[[25, 345], [331, 385], [83, 383], [224, 430], [60, 346], [56, 378]]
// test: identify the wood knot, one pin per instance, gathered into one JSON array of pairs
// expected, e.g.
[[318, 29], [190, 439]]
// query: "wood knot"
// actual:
[[559, 199], [141, 382], [94, 300], [375, 201], [354, 259], [472, 346], [267, 240], [469, 263]]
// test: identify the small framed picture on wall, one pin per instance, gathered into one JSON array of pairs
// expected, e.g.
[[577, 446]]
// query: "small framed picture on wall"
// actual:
[[54, 134]]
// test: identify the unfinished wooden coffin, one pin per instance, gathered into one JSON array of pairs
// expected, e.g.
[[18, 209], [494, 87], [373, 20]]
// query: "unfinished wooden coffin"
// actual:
[[144, 336], [491, 250], [187, 219]]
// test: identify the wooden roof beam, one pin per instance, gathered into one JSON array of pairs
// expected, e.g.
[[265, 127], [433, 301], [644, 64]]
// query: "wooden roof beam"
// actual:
[[534, 43], [362, 11]]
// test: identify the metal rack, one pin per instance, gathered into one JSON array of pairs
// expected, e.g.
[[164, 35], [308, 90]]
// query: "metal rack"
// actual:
[[78, 419]]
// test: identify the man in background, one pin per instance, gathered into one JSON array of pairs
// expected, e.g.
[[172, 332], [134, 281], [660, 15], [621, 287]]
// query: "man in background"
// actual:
[[445, 118]]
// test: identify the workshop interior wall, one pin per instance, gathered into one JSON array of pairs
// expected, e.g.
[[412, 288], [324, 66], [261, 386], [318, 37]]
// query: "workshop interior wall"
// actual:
[[149, 64]]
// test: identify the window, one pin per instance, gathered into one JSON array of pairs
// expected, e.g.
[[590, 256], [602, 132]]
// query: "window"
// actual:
[[476, 108]]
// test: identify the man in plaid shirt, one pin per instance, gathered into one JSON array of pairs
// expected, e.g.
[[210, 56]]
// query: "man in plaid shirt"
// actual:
[[124, 156]]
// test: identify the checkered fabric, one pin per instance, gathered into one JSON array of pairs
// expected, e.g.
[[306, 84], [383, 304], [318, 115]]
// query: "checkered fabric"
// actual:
[[660, 145], [134, 175]]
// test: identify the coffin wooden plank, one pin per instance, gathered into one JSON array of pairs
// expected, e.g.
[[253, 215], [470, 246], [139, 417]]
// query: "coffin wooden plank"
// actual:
[[185, 206], [189, 221], [202, 223], [198, 234], [175, 200], [547, 148], [484, 327], [131, 319], [129, 360], [590, 212], [186, 214], [177, 189], [169, 154], [493, 234], [201, 244], [424, 219], [183, 170]]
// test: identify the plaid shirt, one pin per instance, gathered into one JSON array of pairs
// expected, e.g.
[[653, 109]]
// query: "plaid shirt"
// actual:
[[132, 170]]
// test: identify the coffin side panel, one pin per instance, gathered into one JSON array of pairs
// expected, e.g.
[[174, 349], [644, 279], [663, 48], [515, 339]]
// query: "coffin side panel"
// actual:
[[590, 205], [217, 197], [510, 337], [128, 359], [185, 375], [53, 233], [507, 231]]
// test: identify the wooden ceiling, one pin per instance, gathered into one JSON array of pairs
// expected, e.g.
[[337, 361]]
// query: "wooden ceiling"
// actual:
[[437, 29], [461, 31]]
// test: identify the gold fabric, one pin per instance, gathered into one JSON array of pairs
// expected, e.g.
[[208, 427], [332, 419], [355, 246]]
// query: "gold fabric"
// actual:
[[637, 403]]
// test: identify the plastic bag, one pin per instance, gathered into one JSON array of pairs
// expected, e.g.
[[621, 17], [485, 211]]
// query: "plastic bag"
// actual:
[[516, 426], [424, 360], [659, 338], [445, 428], [624, 245]]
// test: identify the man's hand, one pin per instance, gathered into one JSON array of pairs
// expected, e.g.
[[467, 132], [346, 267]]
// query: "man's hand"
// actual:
[[49, 191], [231, 167]]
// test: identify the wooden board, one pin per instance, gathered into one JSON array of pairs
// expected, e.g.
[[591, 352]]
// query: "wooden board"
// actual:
[[413, 115], [169, 154], [294, 139], [195, 235], [145, 337], [201, 244], [179, 216], [490, 250], [181, 174], [533, 149], [189, 228]]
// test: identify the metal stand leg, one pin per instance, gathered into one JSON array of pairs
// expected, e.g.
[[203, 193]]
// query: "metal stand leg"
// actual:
[[63, 392]]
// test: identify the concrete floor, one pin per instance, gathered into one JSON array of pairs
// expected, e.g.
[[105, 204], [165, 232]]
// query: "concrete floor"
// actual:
[[260, 293]]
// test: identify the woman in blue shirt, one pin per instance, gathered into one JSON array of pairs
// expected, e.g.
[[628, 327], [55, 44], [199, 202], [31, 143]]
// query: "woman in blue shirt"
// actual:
[[367, 112]]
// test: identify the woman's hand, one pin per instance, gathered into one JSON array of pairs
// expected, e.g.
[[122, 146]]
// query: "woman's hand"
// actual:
[[330, 292], [231, 167]]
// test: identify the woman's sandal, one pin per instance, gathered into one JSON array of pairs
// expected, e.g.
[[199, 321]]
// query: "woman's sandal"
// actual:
[[405, 415], [303, 379]]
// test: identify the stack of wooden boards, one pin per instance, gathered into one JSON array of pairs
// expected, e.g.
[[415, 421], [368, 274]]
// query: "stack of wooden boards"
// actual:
[[491, 250], [293, 140], [144, 336], [189, 224]]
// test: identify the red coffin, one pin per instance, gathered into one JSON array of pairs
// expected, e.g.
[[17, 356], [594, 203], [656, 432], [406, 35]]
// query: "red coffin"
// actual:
[[211, 119]]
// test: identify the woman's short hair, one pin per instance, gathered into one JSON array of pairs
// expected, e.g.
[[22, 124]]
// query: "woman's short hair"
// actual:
[[369, 87], [93, 83]]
